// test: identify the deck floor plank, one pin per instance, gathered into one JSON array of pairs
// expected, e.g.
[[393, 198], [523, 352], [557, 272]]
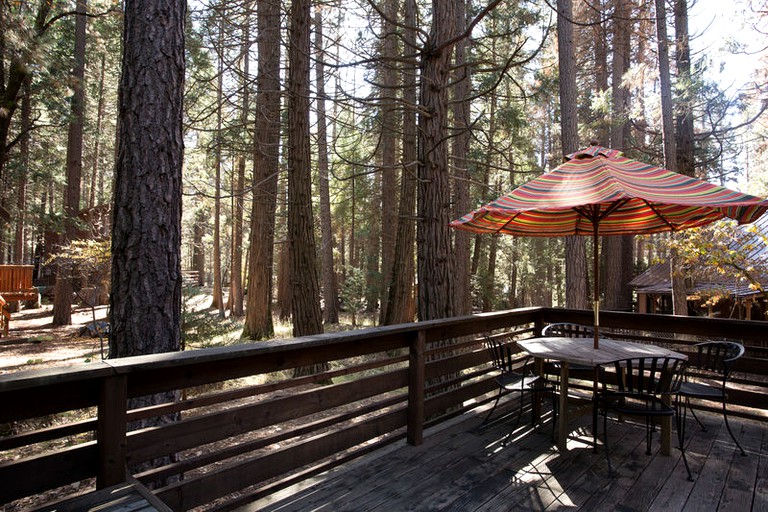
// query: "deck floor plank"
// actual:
[[760, 499], [711, 478], [738, 494], [464, 467]]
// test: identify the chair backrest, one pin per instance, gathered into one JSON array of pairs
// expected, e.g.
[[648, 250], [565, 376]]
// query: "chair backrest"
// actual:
[[643, 375], [568, 330], [717, 356], [501, 353]]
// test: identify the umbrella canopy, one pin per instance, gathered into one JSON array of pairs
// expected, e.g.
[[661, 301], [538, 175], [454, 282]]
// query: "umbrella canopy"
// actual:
[[598, 191]]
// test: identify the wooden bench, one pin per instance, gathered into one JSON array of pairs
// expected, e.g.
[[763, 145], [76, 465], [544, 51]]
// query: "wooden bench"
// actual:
[[15, 285], [129, 496]]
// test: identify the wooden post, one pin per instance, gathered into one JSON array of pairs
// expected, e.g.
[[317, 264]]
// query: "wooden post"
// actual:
[[110, 431], [416, 389]]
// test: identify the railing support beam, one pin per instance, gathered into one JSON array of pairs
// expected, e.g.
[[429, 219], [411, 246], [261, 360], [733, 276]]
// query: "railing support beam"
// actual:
[[416, 389], [110, 431]]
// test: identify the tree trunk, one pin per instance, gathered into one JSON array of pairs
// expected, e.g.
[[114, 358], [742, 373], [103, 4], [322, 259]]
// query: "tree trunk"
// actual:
[[401, 298], [575, 248], [146, 231], [198, 249], [258, 314], [218, 298], [372, 249], [612, 246], [460, 164], [388, 151], [599, 41], [18, 73], [97, 139], [435, 252], [21, 184], [235, 298], [305, 303], [684, 139], [65, 276], [665, 92], [684, 103], [330, 288], [489, 284]]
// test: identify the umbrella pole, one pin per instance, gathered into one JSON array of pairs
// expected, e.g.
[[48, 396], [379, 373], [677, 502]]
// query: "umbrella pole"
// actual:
[[596, 273]]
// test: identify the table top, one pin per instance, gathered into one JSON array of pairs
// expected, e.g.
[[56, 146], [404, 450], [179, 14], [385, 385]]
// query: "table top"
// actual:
[[580, 350]]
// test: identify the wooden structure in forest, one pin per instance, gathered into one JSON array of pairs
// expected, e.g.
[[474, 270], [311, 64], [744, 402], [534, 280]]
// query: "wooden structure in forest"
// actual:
[[15, 285], [710, 292]]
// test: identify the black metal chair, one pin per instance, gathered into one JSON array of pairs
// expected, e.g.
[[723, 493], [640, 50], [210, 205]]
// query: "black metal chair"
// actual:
[[571, 330], [641, 387], [713, 362], [515, 376], [568, 330]]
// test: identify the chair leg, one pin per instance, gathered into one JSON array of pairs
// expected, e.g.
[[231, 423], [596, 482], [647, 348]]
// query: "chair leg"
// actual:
[[554, 416], [605, 440], [517, 420], [693, 413], [728, 426], [683, 423], [681, 441], [649, 428], [488, 416]]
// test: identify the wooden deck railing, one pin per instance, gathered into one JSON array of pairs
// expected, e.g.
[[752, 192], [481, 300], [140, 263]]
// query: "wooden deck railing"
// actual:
[[244, 427]]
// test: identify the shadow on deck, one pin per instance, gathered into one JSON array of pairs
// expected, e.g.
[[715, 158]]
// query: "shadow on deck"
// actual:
[[465, 467]]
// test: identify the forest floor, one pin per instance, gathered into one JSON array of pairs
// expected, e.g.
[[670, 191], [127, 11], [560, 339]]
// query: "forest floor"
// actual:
[[33, 342]]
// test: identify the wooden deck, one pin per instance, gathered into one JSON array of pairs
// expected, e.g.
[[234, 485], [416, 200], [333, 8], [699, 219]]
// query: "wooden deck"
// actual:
[[464, 467]]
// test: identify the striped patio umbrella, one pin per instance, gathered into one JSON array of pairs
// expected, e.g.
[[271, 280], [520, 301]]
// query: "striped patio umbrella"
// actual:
[[598, 191]]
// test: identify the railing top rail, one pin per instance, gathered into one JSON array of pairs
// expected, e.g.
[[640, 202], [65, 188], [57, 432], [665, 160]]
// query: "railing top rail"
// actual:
[[178, 360]]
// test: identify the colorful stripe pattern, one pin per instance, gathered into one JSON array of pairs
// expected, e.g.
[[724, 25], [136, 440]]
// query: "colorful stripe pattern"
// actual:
[[600, 187]]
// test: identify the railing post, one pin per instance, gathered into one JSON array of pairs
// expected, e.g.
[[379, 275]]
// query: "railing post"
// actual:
[[538, 325], [110, 431], [416, 389]]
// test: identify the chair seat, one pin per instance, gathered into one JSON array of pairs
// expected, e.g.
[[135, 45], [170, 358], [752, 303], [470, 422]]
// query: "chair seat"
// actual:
[[517, 382], [638, 405], [700, 390]]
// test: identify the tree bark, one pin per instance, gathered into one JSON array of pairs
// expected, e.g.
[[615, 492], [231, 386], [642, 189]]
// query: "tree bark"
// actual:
[[62, 302], [18, 73], [258, 314], [684, 106], [684, 162], [575, 248], [613, 250], [305, 303], [97, 140], [460, 163], [198, 249], [235, 297], [218, 297], [21, 183], [665, 84], [330, 288], [435, 252], [146, 231], [388, 151], [401, 298]]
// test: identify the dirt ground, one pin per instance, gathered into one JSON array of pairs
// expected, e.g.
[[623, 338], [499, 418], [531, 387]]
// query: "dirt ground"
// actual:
[[34, 342]]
